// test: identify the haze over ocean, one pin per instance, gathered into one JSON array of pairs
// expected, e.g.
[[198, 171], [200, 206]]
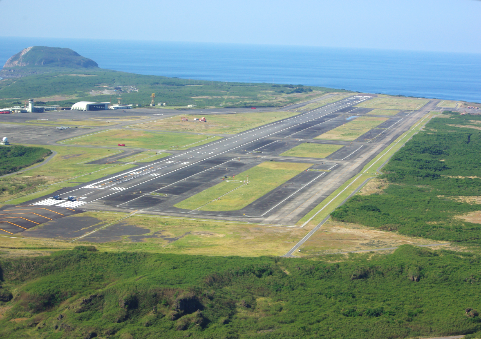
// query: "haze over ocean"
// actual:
[[453, 76]]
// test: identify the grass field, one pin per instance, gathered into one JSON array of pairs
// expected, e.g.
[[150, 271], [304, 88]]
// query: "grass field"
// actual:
[[216, 124], [312, 150], [66, 169], [142, 139], [236, 193], [90, 122], [200, 236], [448, 104], [388, 102], [353, 129], [171, 235], [335, 237], [383, 112]]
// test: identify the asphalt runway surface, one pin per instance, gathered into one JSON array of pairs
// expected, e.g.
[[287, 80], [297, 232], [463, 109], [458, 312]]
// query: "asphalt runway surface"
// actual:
[[176, 174], [157, 186], [113, 158], [17, 219]]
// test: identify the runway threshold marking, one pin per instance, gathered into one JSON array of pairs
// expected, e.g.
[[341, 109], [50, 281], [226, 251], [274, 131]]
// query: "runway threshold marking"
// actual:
[[52, 211], [42, 216], [16, 225], [23, 219], [29, 220]]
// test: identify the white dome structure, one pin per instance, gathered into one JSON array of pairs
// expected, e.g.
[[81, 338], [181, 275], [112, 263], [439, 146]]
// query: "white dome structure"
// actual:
[[90, 106]]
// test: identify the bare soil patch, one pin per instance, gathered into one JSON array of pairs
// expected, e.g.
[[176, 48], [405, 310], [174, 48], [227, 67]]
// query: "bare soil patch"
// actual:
[[17, 320], [474, 217], [336, 237], [56, 98], [374, 186], [474, 200], [459, 176], [466, 126], [4, 310]]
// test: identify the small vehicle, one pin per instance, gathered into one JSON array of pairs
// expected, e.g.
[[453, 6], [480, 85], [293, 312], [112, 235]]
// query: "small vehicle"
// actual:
[[71, 198], [121, 145], [56, 197]]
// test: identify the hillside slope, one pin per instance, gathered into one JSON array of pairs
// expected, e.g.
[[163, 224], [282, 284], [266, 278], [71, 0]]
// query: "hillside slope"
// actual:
[[43, 59], [85, 294], [49, 57]]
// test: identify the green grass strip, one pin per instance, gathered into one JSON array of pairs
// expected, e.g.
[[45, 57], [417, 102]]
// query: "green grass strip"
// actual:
[[235, 193], [134, 138], [306, 150], [353, 129]]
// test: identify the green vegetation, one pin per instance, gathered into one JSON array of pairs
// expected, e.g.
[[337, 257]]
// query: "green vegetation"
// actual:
[[134, 138], [83, 293], [400, 103], [14, 158], [353, 129], [41, 57], [216, 124], [428, 180], [448, 104], [164, 235], [245, 188], [192, 236], [308, 150], [65, 87]]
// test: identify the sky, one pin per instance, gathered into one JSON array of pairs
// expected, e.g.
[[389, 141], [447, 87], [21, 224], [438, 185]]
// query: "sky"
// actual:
[[422, 25]]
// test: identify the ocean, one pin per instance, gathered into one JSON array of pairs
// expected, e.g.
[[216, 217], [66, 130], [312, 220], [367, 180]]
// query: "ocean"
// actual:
[[452, 76]]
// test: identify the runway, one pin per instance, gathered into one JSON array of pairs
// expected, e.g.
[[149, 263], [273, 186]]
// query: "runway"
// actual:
[[157, 186]]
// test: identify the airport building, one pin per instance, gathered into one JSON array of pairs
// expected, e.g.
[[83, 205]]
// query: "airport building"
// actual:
[[90, 106]]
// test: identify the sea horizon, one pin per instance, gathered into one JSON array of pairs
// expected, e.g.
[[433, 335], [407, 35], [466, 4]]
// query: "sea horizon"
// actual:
[[441, 75]]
